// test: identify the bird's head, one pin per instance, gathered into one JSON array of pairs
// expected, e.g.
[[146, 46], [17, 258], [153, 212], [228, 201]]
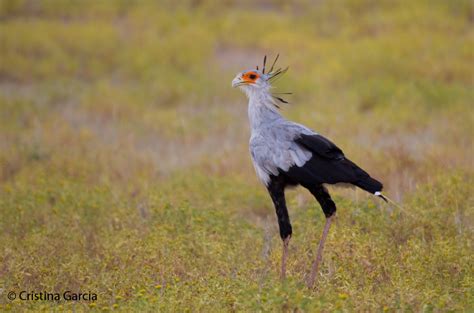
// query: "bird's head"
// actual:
[[255, 80]]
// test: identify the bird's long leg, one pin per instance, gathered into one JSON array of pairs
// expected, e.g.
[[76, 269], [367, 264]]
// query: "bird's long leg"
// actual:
[[276, 188], [284, 255], [329, 208], [319, 255]]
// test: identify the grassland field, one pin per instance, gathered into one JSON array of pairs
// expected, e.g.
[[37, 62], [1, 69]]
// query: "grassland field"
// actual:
[[125, 171]]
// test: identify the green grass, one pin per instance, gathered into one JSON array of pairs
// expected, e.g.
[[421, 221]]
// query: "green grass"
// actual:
[[124, 166]]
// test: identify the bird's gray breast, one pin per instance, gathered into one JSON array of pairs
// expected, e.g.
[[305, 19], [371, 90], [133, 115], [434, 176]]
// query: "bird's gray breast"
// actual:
[[273, 149]]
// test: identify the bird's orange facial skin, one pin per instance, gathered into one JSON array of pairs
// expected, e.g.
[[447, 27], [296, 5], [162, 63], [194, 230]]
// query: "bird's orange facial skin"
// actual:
[[250, 77]]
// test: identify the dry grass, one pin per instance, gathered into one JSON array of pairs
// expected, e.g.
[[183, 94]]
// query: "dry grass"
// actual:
[[124, 167]]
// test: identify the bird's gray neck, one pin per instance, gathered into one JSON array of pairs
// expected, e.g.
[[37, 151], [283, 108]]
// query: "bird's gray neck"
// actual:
[[262, 110]]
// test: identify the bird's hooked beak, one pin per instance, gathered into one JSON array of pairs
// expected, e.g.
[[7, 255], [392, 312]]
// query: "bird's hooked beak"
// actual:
[[237, 81]]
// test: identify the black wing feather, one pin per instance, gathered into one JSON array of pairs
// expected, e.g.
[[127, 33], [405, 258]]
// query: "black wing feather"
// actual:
[[321, 145], [329, 165]]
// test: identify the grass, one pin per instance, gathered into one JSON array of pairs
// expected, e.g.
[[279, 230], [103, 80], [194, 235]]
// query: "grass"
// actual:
[[124, 166]]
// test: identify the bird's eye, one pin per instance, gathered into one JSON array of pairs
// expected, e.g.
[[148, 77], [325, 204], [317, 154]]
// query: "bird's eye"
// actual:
[[250, 77]]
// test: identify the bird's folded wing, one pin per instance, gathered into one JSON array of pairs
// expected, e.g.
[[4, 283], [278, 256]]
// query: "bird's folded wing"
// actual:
[[321, 146]]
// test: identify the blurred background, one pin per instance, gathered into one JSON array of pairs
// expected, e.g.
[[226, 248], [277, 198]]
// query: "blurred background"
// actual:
[[124, 164]]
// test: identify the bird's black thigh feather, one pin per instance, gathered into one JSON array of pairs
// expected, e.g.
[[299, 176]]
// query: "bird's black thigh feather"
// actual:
[[276, 188], [324, 198]]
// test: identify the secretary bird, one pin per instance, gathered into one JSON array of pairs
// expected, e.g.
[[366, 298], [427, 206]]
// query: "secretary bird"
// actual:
[[285, 154]]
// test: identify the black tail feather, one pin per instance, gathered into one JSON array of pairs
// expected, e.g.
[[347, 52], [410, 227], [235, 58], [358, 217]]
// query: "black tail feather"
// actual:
[[362, 179], [381, 196], [369, 184]]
